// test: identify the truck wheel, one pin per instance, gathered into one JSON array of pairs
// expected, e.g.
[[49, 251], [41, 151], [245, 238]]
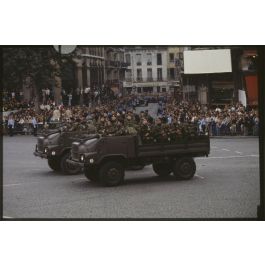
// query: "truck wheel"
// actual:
[[91, 174], [67, 168], [184, 168], [111, 174], [162, 169], [54, 164]]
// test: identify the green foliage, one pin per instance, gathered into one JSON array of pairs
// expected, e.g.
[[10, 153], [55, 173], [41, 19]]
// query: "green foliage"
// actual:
[[39, 63]]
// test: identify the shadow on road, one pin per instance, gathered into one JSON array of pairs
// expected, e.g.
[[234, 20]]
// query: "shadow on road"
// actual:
[[131, 182]]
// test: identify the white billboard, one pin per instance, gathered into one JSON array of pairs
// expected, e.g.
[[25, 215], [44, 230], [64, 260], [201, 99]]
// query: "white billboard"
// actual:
[[207, 61]]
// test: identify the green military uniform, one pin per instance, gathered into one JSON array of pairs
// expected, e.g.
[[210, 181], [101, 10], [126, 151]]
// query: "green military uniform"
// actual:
[[130, 126]]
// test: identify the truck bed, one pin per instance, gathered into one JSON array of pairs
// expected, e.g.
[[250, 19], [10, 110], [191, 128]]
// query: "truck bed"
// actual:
[[194, 146]]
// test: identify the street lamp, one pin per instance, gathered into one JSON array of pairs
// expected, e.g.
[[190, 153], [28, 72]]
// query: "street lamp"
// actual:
[[64, 49]]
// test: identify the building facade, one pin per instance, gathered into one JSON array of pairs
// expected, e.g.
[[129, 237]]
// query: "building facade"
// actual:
[[95, 68], [147, 70], [175, 66]]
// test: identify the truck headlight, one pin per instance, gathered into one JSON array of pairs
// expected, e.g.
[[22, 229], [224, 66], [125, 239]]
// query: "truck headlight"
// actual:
[[91, 160], [45, 150], [53, 153], [82, 158]]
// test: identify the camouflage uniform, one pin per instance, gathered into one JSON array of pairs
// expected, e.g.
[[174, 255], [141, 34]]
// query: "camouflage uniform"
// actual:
[[130, 126]]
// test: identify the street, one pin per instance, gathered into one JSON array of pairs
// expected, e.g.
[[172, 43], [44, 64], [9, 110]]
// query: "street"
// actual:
[[226, 185]]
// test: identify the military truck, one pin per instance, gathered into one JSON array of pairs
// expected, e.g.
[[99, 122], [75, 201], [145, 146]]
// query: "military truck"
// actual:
[[55, 146], [105, 158]]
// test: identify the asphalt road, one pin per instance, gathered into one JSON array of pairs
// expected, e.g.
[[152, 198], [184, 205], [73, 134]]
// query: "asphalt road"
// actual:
[[226, 185]]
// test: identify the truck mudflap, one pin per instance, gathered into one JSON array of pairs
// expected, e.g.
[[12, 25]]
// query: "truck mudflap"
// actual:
[[75, 163], [40, 154]]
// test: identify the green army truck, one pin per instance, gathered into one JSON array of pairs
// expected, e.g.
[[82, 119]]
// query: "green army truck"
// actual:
[[105, 159], [55, 146]]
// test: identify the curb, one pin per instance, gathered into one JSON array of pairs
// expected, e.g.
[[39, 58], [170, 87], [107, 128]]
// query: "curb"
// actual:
[[232, 137]]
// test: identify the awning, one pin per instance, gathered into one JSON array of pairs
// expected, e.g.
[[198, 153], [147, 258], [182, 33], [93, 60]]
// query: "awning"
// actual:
[[252, 89]]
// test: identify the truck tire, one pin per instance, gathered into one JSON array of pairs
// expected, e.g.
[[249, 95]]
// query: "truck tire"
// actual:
[[184, 168], [67, 168], [162, 169], [91, 174], [111, 174], [54, 164]]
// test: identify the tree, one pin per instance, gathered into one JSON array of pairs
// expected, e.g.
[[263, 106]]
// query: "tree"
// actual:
[[41, 65]]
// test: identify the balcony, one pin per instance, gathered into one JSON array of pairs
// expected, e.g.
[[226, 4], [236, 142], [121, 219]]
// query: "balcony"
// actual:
[[149, 79], [116, 64]]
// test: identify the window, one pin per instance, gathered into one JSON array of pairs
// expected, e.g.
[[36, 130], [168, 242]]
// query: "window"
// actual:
[[181, 55], [159, 59], [172, 73], [164, 89], [149, 74], [139, 90], [149, 58], [138, 59], [171, 57], [128, 59], [139, 74], [128, 74], [159, 74], [158, 89]]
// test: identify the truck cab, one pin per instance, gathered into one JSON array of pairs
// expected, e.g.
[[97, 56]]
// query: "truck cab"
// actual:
[[55, 146]]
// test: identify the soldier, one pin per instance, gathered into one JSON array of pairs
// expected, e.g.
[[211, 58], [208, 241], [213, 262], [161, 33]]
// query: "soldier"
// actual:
[[130, 126], [109, 129], [91, 128], [145, 132]]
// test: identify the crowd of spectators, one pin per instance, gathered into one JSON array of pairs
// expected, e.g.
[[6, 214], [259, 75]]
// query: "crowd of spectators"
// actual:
[[216, 121]]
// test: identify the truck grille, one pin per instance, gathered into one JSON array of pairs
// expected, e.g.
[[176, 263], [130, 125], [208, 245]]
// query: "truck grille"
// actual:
[[40, 144], [74, 151]]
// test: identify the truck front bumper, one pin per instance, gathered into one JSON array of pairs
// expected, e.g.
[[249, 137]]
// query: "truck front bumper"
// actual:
[[75, 163], [40, 154]]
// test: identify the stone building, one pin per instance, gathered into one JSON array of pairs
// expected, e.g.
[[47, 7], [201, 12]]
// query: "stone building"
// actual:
[[147, 70], [175, 66], [94, 68]]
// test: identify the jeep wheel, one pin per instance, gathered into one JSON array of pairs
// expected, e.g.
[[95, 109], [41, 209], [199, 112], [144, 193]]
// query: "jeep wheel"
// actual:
[[54, 164], [111, 174], [67, 168], [162, 169], [184, 168], [91, 174]]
